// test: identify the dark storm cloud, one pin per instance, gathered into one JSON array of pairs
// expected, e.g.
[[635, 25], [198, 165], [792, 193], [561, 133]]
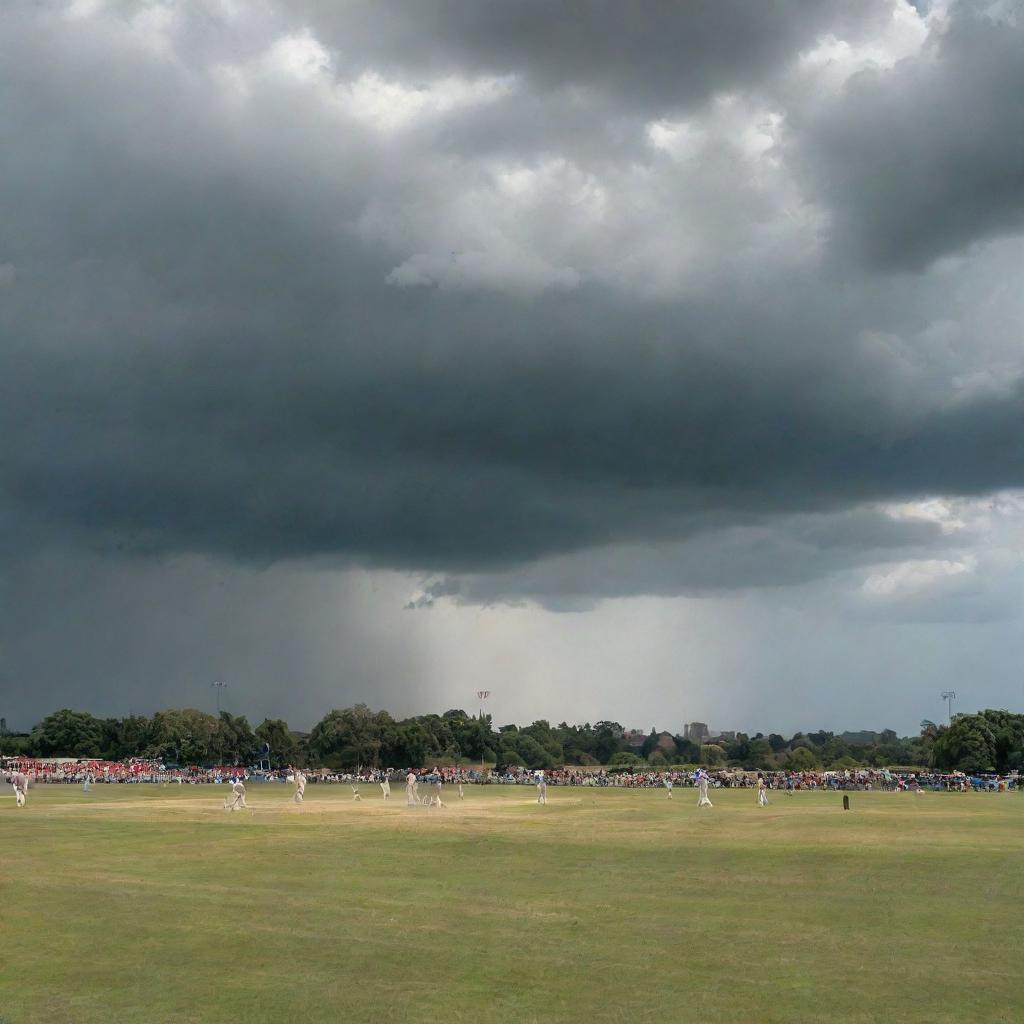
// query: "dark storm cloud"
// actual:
[[244, 321], [657, 56], [919, 160], [719, 558]]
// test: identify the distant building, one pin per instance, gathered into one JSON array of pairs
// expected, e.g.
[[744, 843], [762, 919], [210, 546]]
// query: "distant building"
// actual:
[[696, 732], [635, 737], [727, 734]]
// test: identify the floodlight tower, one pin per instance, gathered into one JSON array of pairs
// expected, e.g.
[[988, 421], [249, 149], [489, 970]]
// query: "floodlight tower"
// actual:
[[949, 696], [481, 696], [218, 686]]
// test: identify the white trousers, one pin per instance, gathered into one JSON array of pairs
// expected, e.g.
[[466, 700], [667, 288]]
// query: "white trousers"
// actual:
[[19, 798], [762, 798]]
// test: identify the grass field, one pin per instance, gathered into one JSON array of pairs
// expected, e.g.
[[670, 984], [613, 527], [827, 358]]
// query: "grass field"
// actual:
[[151, 905]]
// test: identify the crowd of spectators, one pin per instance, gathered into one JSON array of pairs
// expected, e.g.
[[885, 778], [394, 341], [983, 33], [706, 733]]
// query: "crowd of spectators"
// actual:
[[848, 779], [69, 771]]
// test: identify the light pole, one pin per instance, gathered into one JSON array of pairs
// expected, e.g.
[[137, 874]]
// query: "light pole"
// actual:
[[481, 696], [218, 686], [949, 696]]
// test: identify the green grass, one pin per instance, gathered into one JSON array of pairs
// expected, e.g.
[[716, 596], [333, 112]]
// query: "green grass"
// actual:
[[152, 905]]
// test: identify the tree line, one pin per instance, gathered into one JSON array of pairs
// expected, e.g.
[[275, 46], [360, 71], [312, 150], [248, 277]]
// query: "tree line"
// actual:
[[991, 740]]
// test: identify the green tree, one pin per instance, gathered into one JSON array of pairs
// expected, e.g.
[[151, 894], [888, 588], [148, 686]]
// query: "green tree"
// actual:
[[968, 745], [284, 748], [687, 752], [542, 732], [607, 740], [234, 740], [1008, 734], [802, 759], [69, 733], [626, 759], [531, 753], [406, 746], [739, 749], [649, 745], [712, 754], [125, 737], [184, 736], [351, 737]]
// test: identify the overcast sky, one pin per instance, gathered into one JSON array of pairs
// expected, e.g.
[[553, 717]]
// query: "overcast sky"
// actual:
[[654, 362]]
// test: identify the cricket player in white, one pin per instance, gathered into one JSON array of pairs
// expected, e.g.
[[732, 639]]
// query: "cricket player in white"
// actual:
[[668, 786], [762, 792], [87, 784], [300, 787], [238, 801], [20, 783], [702, 786], [462, 796], [542, 788], [386, 788], [410, 789]]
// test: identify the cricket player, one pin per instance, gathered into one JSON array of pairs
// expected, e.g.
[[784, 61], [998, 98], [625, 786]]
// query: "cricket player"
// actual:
[[300, 786], [762, 792], [702, 786], [87, 784], [385, 787], [542, 788], [19, 781], [668, 786], [411, 796], [237, 802]]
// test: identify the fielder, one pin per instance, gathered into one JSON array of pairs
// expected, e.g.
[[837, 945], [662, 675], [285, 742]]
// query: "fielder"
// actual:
[[19, 781], [542, 788], [386, 788], [411, 796], [300, 787], [668, 786], [762, 792]]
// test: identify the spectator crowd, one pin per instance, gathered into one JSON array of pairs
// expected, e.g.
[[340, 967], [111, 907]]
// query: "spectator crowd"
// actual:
[[134, 771]]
